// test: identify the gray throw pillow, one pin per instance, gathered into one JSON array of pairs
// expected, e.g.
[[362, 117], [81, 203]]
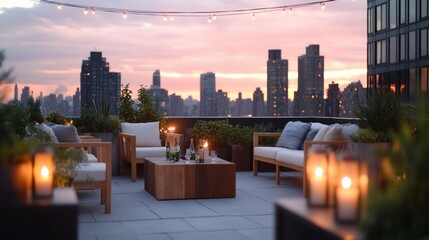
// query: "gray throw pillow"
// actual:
[[66, 133], [293, 135], [309, 137]]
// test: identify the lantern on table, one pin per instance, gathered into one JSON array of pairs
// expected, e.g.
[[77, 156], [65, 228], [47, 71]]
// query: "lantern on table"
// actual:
[[317, 178], [43, 173]]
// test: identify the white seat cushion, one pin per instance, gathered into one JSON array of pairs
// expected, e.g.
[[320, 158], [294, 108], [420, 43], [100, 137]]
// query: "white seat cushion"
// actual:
[[293, 157], [267, 152], [142, 152], [90, 172], [147, 134], [91, 158]]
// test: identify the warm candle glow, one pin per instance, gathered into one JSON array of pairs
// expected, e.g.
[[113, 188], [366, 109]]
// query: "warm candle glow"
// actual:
[[45, 172], [346, 182], [319, 171], [206, 144], [171, 129]]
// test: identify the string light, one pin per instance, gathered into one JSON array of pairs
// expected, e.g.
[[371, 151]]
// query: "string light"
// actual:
[[172, 14], [125, 15], [165, 18], [253, 17], [86, 11], [210, 19]]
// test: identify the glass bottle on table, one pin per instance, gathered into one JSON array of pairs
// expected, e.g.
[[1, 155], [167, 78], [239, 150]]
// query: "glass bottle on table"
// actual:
[[167, 149], [192, 149]]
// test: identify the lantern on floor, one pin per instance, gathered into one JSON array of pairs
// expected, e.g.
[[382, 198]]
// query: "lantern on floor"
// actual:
[[43, 173], [317, 178], [349, 186]]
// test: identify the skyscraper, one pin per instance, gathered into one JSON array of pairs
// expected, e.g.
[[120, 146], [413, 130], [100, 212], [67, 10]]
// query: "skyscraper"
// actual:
[[353, 96], [398, 48], [98, 84], [277, 84], [208, 94], [159, 95], [258, 103], [15, 93], [176, 105], [333, 101], [309, 100], [25, 95], [222, 103], [76, 103]]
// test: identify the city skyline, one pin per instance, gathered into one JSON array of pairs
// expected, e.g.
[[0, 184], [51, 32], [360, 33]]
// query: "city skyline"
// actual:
[[233, 47]]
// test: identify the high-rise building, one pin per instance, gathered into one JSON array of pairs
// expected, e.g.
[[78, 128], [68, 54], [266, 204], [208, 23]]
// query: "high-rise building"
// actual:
[[15, 92], [98, 84], [277, 84], [76, 103], [176, 105], [333, 101], [208, 94], [258, 103], [222, 103], [309, 100], [398, 48], [353, 96], [159, 95], [25, 95]]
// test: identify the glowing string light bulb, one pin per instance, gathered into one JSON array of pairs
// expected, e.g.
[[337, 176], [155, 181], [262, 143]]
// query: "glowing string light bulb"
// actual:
[[171, 18], [322, 5], [59, 6], [86, 11], [124, 15], [214, 17], [210, 19], [290, 10], [253, 17], [283, 11], [93, 11], [165, 18]]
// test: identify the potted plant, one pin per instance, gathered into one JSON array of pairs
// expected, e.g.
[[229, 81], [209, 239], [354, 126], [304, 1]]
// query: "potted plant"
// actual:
[[400, 210], [379, 120], [241, 149]]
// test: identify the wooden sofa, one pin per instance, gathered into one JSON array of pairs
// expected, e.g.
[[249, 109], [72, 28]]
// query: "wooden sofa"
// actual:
[[292, 159], [97, 173]]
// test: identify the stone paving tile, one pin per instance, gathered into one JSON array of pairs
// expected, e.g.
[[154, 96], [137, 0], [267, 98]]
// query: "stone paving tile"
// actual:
[[158, 226], [258, 234], [264, 220], [211, 235], [156, 236], [98, 229], [125, 211], [181, 209], [221, 223]]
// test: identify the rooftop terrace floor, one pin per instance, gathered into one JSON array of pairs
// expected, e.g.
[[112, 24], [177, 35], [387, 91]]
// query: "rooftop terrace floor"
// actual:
[[138, 215]]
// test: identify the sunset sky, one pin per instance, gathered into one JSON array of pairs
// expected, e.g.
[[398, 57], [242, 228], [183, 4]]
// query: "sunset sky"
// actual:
[[46, 46]]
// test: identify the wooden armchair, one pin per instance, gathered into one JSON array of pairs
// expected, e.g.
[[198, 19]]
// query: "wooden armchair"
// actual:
[[94, 175]]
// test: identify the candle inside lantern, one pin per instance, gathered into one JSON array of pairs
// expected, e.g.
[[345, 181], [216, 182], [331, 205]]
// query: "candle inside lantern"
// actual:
[[347, 200], [317, 167], [43, 173], [171, 129]]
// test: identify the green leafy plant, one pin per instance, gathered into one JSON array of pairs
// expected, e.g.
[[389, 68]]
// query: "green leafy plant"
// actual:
[[147, 111], [91, 121], [218, 132], [56, 117], [400, 211], [126, 111], [381, 117]]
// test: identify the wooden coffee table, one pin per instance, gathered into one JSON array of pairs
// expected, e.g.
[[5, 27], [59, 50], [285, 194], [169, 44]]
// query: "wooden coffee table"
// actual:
[[182, 180]]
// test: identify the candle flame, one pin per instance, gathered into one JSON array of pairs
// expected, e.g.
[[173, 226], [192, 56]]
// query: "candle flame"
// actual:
[[45, 172], [319, 171], [346, 182], [171, 129], [206, 144]]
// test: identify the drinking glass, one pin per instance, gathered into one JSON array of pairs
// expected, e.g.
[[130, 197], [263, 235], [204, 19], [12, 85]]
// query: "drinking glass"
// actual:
[[188, 154], [213, 154]]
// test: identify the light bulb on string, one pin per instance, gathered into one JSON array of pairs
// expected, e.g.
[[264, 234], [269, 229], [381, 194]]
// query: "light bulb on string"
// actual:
[[253, 17], [124, 15], [86, 11], [290, 10], [93, 11], [165, 18], [171, 18], [59, 6], [283, 11], [322, 5], [210, 19], [214, 17]]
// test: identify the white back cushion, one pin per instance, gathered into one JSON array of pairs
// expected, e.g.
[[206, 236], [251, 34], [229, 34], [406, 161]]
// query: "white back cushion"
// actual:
[[147, 134]]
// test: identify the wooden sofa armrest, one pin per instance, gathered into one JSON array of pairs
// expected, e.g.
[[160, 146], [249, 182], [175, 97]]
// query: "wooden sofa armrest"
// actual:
[[258, 135], [127, 146]]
